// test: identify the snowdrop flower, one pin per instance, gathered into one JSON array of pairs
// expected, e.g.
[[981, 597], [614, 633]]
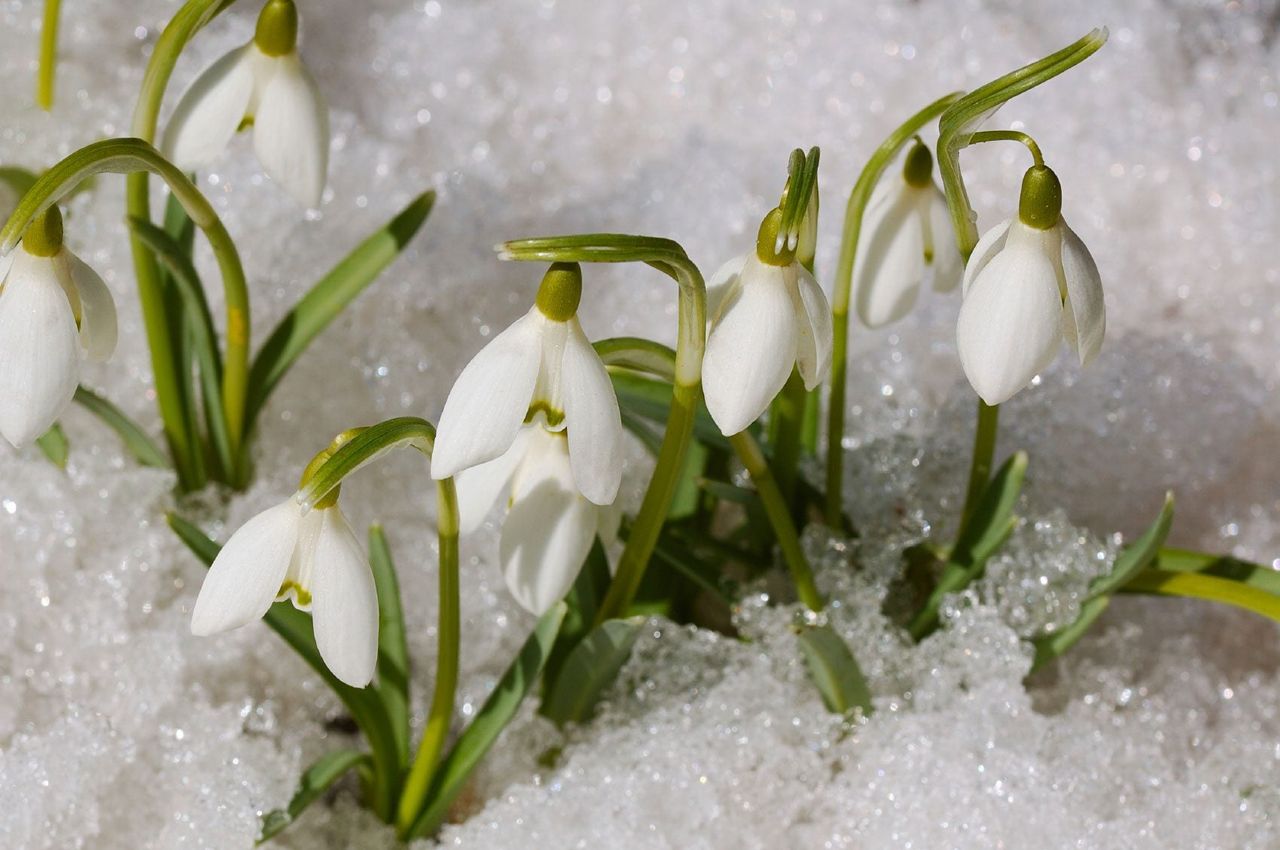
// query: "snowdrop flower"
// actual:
[[549, 526], [768, 315], [264, 85], [906, 228], [1029, 284], [311, 558], [541, 366], [53, 310]]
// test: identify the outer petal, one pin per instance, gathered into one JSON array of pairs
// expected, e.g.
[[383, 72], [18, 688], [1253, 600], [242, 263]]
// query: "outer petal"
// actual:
[[480, 486], [991, 243], [813, 323], [211, 111], [594, 424], [1010, 323], [1085, 314], [291, 131], [947, 265], [722, 282], [545, 539], [244, 578], [98, 329], [344, 606], [39, 349], [751, 348], [890, 258], [489, 401]]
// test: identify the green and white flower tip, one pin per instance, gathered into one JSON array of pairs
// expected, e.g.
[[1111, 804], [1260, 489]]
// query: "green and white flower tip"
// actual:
[[310, 557], [906, 229], [54, 309], [768, 315], [262, 85], [1029, 284], [540, 369], [549, 525]]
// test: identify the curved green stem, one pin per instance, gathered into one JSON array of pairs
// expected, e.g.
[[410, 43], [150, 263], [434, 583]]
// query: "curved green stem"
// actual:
[[129, 156], [362, 448], [858, 198], [1010, 136], [48, 54], [669, 258]]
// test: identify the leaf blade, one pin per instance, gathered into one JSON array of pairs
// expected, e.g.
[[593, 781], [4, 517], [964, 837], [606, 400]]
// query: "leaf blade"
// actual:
[[315, 781], [590, 668], [834, 670]]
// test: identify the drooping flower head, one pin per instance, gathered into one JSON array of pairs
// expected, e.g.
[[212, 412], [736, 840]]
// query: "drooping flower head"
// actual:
[[540, 368], [262, 85], [54, 309], [1030, 284], [905, 230], [549, 526], [768, 316], [313, 559]]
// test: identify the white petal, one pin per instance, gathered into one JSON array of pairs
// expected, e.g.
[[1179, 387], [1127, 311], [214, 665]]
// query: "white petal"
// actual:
[[489, 400], [751, 348], [1085, 314], [244, 578], [947, 265], [722, 282], [39, 349], [592, 419], [991, 243], [1010, 322], [813, 325], [480, 486], [210, 112], [890, 258], [291, 131], [97, 309], [545, 538], [344, 606]]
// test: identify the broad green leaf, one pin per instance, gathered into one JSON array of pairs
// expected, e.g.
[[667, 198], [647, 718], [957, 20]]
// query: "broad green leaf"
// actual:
[[590, 668], [685, 501], [327, 298], [1137, 556], [144, 451], [583, 600], [492, 718], [1208, 587], [294, 627], [55, 446], [393, 649], [317, 779], [650, 399], [835, 672]]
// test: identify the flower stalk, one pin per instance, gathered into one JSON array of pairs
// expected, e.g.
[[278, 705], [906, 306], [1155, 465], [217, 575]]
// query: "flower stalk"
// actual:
[[48, 67]]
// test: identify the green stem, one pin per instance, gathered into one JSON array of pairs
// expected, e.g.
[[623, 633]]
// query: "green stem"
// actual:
[[129, 156], [669, 258], [786, 427], [48, 54], [178, 420], [858, 198], [1010, 136], [775, 506], [984, 449]]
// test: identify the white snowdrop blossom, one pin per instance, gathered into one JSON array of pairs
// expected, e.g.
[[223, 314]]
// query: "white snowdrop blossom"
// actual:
[[549, 526], [311, 558], [541, 366], [1030, 284], [768, 315], [264, 85], [54, 310], [906, 229]]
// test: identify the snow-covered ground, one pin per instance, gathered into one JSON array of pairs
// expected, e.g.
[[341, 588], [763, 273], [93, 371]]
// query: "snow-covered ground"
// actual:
[[120, 730]]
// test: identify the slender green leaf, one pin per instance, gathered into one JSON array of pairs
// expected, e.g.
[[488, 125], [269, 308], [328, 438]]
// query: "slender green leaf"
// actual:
[[651, 399], [1208, 587], [1051, 646], [643, 430], [704, 575], [685, 501], [55, 446], [583, 600], [726, 492], [393, 648], [590, 668], [365, 704], [19, 180], [492, 718], [1222, 566], [328, 297], [317, 779], [144, 451], [834, 670], [1137, 556]]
